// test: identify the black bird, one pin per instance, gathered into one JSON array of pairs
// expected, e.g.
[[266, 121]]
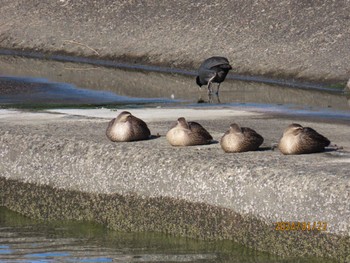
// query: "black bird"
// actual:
[[213, 69]]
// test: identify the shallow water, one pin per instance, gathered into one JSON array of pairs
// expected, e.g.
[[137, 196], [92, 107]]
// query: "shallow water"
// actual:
[[26, 240], [37, 83], [42, 93]]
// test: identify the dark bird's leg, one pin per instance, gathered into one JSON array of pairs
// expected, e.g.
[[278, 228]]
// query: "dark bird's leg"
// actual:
[[209, 87], [218, 98], [209, 84], [217, 91], [210, 98]]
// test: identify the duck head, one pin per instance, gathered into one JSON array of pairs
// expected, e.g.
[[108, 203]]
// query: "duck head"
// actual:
[[293, 129], [234, 128], [182, 123], [124, 116]]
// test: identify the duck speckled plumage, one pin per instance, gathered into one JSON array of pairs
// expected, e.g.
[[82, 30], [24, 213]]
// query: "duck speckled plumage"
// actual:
[[297, 139], [188, 134], [240, 139], [126, 128]]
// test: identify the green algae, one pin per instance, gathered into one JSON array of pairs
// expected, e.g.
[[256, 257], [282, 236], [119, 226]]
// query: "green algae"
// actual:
[[131, 213]]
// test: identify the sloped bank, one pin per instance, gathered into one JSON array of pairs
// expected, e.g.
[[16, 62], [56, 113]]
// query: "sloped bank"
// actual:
[[58, 167], [302, 40]]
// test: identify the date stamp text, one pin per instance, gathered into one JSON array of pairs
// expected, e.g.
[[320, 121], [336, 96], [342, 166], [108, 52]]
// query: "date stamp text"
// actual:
[[301, 226]]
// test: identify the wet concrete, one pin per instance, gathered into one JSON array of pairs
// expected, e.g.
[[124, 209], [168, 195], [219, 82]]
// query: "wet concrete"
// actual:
[[302, 40], [62, 166]]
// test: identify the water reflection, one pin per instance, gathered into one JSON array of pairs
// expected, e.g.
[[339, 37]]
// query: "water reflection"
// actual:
[[25, 240], [34, 92]]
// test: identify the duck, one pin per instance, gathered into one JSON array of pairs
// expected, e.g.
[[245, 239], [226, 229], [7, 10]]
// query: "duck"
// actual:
[[240, 139], [213, 70], [297, 139], [126, 128], [188, 134]]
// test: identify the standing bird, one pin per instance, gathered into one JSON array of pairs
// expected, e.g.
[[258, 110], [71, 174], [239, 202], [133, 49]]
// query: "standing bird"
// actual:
[[126, 128], [213, 69], [188, 134], [297, 139], [240, 139]]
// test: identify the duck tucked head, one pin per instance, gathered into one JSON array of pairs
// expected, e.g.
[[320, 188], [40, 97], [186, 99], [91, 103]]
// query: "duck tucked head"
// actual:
[[127, 127], [182, 123], [297, 139], [240, 139], [187, 133], [123, 116], [293, 129], [234, 128]]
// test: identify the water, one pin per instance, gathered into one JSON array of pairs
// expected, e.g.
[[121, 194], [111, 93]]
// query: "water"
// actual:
[[37, 83], [123, 65], [42, 93], [25, 240]]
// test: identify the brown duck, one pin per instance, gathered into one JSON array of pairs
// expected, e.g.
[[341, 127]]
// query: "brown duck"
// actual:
[[240, 139], [188, 133], [126, 128], [297, 139]]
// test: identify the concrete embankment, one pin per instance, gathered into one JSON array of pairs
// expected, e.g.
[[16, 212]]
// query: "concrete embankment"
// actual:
[[57, 166], [60, 165], [302, 40]]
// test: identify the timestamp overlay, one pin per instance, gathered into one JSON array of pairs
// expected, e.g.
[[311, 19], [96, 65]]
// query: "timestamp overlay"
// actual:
[[301, 226]]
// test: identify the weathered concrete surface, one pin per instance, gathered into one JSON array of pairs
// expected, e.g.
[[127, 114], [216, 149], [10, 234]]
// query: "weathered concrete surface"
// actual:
[[303, 39], [56, 166]]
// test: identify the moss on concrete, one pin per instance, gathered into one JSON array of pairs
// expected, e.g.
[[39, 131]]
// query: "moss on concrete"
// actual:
[[167, 215]]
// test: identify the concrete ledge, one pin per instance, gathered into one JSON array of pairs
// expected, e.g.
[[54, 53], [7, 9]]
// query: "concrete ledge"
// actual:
[[63, 167]]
